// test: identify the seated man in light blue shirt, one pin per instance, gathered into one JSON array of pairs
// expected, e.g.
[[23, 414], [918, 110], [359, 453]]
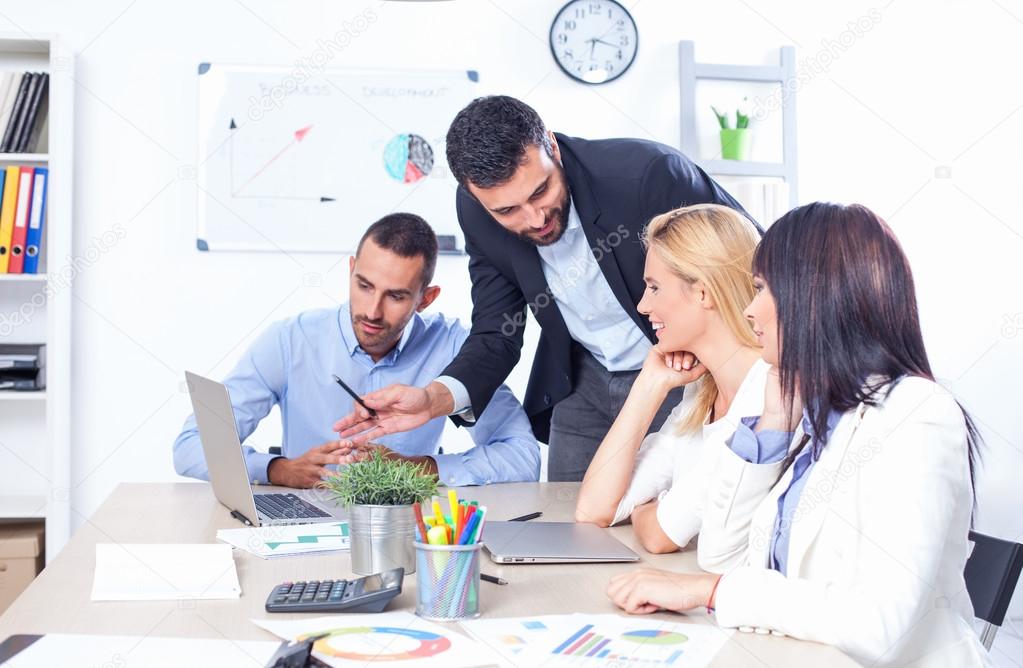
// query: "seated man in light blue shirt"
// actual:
[[378, 338]]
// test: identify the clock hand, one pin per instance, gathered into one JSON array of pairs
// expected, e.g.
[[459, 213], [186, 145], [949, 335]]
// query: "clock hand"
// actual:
[[595, 41]]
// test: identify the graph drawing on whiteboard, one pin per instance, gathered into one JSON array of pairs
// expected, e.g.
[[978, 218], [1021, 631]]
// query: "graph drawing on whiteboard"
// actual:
[[288, 163]]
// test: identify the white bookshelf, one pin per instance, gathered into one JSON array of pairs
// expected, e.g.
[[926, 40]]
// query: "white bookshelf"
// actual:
[[35, 457]]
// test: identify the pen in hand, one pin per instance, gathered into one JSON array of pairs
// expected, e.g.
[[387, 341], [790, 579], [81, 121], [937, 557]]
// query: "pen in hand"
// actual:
[[372, 413]]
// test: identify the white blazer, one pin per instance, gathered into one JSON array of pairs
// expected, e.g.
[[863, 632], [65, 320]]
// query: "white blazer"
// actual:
[[878, 542], [675, 468]]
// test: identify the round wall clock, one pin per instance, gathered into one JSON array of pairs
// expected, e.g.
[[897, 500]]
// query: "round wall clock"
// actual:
[[594, 41]]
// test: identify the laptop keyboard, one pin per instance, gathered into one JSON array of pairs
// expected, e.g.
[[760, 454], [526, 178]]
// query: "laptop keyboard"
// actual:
[[276, 506]]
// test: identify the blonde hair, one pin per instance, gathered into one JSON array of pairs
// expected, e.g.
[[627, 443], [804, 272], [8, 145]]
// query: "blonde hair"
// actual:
[[712, 245]]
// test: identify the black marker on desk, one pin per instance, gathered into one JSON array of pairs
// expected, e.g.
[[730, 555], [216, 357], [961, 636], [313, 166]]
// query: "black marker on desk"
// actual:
[[526, 518], [372, 413], [493, 578]]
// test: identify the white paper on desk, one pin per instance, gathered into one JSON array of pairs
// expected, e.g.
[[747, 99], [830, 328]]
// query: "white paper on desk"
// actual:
[[602, 640], [279, 541], [511, 636], [386, 637], [153, 572], [89, 651]]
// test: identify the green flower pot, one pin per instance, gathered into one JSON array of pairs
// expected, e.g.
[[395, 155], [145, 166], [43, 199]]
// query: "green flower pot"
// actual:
[[736, 143]]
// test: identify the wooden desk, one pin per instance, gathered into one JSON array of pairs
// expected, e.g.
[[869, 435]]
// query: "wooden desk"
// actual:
[[58, 600]]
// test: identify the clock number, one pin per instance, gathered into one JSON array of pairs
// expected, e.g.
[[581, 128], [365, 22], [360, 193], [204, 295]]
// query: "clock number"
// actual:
[[595, 8], [624, 40], [580, 13], [562, 38], [569, 24]]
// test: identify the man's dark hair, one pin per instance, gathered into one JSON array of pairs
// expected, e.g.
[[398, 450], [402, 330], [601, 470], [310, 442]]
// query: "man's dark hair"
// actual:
[[405, 235], [488, 139]]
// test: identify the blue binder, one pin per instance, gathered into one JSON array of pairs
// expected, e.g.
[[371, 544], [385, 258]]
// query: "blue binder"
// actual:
[[36, 218]]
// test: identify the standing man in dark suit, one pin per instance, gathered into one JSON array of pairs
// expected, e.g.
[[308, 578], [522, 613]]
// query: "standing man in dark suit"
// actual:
[[553, 224]]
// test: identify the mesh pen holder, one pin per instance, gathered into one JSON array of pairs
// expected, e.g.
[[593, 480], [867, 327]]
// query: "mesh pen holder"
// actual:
[[448, 581]]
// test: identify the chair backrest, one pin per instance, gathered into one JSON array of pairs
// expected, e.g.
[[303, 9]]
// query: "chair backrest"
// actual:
[[992, 572]]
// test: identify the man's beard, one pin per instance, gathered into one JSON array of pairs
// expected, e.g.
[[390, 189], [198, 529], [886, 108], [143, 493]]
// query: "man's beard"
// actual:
[[559, 215], [371, 341]]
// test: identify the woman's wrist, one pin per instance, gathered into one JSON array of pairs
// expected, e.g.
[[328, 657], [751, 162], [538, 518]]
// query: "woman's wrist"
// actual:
[[712, 596], [651, 387]]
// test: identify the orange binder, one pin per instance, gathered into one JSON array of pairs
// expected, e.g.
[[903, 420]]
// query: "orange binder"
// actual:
[[7, 210]]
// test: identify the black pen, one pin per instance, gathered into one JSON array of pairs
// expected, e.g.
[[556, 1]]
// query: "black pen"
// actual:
[[526, 518], [493, 578], [372, 413]]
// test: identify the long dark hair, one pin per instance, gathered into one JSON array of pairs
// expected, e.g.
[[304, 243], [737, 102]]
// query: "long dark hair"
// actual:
[[841, 280]]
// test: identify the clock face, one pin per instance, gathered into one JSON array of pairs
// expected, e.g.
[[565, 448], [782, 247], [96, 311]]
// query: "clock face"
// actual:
[[594, 41]]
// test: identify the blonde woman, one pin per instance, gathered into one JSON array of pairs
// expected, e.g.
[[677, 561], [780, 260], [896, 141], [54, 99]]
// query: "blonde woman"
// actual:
[[698, 282]]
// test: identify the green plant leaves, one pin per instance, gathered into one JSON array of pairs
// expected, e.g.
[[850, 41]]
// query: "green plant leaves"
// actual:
[[379, 481]]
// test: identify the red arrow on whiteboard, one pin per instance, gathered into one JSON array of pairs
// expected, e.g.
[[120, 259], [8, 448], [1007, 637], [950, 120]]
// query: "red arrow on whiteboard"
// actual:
[[299, 136]]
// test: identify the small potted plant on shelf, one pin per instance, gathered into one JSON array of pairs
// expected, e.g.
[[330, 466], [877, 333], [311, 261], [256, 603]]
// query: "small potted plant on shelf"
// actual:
[[736, 142], [378, 494]]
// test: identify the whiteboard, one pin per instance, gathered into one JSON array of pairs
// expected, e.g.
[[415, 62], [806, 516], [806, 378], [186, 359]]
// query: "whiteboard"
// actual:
[[295, 160]]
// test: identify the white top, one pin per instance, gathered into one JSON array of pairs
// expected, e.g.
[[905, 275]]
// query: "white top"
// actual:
[[675, 468]]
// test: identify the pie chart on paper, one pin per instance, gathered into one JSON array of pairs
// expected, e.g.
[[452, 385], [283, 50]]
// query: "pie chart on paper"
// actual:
[[408, 158]]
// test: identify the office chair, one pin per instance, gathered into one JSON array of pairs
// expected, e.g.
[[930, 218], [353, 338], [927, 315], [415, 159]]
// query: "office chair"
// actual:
[[991, 575]]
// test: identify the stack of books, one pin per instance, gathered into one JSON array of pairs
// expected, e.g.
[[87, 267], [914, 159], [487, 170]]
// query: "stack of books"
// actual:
[[23, 107], [22, 367], [22, 214]]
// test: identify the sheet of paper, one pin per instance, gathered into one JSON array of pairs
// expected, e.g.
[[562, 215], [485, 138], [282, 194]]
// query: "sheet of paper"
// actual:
[[277, 541], [602, 641], [89, 651], [511, 636], [154, 572], [396, 638]]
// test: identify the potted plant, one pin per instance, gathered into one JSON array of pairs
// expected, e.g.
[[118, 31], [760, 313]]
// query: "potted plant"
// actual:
[[378, 494], [736, 142]]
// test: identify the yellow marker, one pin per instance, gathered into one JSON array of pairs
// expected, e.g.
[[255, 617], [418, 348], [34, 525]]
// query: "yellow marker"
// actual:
[[437, 535], [453, 503], [437, 514]]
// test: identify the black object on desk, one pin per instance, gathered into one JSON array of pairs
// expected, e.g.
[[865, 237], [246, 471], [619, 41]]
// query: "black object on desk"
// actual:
[[296, 654], [369, 594]]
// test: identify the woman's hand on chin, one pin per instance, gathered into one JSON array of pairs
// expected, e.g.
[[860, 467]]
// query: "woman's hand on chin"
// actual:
[[667, 370]]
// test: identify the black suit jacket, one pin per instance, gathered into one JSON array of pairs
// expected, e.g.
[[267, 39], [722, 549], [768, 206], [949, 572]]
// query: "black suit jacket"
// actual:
[[617, 186]]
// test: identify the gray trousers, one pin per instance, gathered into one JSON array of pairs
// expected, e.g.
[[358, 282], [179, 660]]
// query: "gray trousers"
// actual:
[[582, 419]]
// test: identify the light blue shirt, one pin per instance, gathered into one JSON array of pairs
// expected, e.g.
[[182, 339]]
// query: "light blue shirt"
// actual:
[[769, 447], [592, 313], [291, 363]]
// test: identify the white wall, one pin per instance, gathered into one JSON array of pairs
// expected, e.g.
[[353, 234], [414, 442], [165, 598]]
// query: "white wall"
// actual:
[[916, 114]]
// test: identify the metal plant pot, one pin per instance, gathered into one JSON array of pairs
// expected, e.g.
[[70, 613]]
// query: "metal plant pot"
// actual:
[[382, 538]]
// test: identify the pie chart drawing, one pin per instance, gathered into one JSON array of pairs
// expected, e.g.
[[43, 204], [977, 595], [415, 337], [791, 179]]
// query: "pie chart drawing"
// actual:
[[408, 158], [655, 637], [380, 643]]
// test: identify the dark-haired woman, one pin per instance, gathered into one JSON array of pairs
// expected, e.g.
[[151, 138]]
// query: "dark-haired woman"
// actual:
[[861, 541]]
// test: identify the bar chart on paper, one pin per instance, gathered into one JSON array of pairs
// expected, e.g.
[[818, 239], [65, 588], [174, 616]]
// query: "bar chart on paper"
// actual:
[[612, 640]]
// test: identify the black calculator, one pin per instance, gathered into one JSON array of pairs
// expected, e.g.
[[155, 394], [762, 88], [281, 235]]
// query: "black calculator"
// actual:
[[369, 594]]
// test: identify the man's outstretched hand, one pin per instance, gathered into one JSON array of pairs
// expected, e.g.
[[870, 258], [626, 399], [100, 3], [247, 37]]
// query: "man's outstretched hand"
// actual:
[[399, 408]]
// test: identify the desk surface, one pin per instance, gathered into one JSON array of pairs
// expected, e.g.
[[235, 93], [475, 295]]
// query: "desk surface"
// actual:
[[58, 600]]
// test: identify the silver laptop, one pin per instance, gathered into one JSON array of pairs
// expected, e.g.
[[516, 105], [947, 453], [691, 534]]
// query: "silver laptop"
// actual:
[[552, 543], [218, 432]]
